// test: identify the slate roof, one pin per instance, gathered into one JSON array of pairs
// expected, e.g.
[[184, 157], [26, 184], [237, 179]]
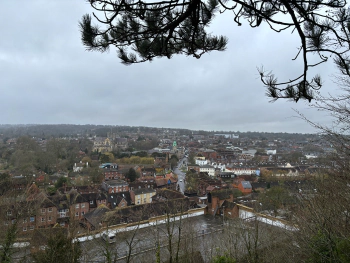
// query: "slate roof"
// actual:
[[112, 183], [95, 217], [115, 198], [93, 197], [79, 189], [246, 185], [142, 184], [63, 201], [169, 194], [144, 191], [161, 182], [46, 202], [143, 212]]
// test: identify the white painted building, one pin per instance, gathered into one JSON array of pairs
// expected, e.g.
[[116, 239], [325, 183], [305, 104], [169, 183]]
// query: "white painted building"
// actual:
[[241, 170], [201, 162], [220, 166], [207, 169], [271, 152], [310, 156], [78, 167]]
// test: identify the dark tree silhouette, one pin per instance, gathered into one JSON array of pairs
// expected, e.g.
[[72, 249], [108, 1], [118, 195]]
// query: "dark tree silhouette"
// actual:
[[131, 175], [142, 30], [60, 248]]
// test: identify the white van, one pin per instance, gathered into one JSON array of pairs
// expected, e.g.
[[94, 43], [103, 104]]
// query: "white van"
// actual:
[[109, 237]]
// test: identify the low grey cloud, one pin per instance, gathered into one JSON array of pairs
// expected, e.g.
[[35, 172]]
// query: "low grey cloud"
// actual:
[[47, 76]]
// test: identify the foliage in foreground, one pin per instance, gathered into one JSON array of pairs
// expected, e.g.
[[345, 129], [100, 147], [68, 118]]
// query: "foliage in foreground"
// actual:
[[60, 248]]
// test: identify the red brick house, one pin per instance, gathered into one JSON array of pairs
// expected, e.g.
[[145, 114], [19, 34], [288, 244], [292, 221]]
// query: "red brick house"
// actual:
[[169, 183], [46, 215], [245, 187], [71, 206], [79, 207], [148, 171], [95, 199], [121, 199], [115, 186], [110, 174], [217, 198], [229, 209]]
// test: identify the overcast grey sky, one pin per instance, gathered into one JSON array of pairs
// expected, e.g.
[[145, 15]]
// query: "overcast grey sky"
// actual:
[[47, 77]]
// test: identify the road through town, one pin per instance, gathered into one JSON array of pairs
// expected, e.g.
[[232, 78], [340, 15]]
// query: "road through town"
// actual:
[[180, 174], [143, 242]]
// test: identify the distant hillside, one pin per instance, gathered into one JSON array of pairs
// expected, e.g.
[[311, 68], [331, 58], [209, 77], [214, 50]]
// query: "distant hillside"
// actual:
[[71, 130]]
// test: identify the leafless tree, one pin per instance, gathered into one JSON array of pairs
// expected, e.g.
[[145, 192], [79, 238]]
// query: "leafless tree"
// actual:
[[323, 217]]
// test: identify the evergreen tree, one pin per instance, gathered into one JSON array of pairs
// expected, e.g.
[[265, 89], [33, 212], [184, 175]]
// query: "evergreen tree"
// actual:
[[131, 175], [142, 30]]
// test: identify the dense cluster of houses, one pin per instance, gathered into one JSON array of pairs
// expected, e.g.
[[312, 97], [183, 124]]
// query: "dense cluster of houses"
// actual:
[[36, 209], [230, 170], [225, 173]]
